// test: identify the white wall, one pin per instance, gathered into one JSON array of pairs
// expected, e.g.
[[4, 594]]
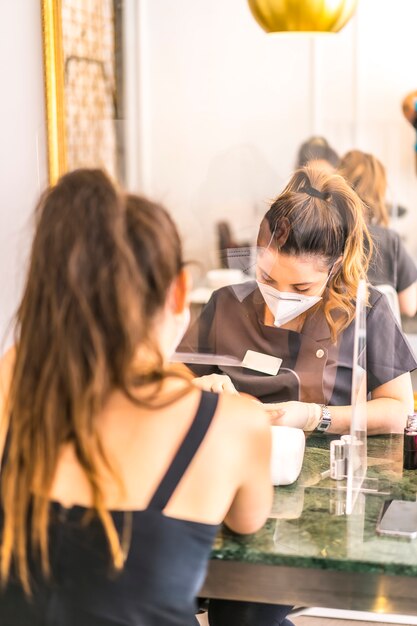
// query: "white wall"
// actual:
[[381, 73], [22, 143], [224, 106]]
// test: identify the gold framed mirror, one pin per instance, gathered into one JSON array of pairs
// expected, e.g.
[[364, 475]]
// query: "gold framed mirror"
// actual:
[[83, 74], [54, 88]]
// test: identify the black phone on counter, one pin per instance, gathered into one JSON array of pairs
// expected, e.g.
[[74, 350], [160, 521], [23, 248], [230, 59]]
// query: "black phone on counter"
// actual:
[[398, 518]]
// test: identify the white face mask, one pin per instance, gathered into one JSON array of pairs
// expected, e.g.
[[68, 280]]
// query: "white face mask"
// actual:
[[286, 306]]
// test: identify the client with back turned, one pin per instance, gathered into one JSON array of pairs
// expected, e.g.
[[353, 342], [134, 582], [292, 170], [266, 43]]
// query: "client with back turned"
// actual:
[[116, 470]]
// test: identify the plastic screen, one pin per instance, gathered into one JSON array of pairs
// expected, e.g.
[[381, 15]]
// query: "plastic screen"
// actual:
[[357, 455]]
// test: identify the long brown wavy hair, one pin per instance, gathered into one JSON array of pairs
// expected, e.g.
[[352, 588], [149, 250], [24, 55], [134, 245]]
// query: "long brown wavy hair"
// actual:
[[100, 268], [328, 227], [366, 174]]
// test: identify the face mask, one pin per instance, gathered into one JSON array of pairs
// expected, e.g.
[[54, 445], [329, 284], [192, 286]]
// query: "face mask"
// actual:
[[182, 321], [286, 306]]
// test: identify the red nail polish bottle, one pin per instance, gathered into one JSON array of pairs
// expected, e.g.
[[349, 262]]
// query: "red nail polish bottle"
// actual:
[[410, 443]]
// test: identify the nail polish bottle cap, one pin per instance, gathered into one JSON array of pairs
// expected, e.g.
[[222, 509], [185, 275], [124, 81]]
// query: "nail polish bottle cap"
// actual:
[[412, 422]]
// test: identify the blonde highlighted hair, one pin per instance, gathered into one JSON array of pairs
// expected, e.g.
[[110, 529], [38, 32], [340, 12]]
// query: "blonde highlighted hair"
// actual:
[[319, 215], [366, 174]]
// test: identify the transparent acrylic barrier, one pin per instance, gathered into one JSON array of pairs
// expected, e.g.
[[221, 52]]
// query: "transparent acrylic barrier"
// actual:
[[357, 448], [243, 376], [225, 314], [229, 336], [228, 321]]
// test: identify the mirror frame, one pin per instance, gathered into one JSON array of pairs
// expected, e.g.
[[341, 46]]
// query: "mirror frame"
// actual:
[[54, 88]]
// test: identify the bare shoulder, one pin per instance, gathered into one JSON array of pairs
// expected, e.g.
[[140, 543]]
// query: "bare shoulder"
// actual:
[[244, 413], [245, 435]]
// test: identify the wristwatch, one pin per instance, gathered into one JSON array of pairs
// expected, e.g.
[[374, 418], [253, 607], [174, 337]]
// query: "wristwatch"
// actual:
[[325, 419]]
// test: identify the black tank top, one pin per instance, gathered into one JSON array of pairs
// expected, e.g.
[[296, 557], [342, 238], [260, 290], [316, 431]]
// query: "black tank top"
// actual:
[[163, 572]]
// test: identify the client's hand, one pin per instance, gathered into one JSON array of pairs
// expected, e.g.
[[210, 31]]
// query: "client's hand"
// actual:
[[215, 382], [305, 415]]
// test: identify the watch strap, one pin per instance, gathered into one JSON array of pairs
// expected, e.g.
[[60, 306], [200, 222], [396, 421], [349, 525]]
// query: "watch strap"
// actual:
[[325, 420]]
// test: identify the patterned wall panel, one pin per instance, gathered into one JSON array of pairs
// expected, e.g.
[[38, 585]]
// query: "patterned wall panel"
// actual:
[[88, 35]]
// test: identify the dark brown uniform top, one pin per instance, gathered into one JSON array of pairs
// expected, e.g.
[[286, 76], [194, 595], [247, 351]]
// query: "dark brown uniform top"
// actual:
[[390, 263], [232, 323]]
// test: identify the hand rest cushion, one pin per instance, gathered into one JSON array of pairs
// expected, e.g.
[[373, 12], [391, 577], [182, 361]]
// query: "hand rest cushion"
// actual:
[[288, 445]]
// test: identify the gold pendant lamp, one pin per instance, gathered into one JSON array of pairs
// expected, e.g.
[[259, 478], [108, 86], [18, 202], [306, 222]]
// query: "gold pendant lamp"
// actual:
[[302, 15]]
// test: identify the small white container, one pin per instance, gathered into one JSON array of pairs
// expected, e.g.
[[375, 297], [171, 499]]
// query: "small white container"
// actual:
[[338, 459], [288, 445]]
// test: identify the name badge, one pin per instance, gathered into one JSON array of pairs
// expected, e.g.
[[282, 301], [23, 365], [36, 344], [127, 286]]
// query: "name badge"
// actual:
[[262, 362]]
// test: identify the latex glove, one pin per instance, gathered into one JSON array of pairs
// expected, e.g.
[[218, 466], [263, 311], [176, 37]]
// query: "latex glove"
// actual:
[[304, 415], [215, 382]]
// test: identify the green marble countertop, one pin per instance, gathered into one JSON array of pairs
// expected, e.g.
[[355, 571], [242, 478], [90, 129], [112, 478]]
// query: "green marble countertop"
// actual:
[[306, 528]]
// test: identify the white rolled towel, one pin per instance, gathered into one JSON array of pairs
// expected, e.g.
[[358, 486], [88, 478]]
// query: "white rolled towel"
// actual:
[[288, 445]]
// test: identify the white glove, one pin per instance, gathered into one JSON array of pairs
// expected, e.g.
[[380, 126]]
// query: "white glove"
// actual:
[[304, 415], [215, 382]]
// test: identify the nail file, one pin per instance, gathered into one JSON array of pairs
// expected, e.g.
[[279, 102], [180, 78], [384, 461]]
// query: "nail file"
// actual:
[[256, 361]]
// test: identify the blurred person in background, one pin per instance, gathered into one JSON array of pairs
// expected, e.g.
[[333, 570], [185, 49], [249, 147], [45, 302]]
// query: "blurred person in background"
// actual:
[[390, 263], [318, 149]]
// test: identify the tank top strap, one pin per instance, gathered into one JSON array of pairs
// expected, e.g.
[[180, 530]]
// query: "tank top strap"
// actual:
[[186, 451]]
